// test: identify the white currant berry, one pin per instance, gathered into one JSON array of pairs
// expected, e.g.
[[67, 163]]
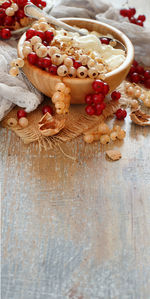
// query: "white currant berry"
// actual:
[[67, 90], [91, 63], [62, 71], [23, 122], [113, 136], [147, 102], [9, 11], [72, 72], [60, 87], [35, 26], [68, 62], [137, 93], [121, 134], [26, 51], [27, 44], [134, 104], [103, 129], [104, 139], [43, 26], [35, 40], [88, 138], [142, 97], [57, 97], [37, 46], [14, 6], [14, 71], [84, 59], [92, 72], [82, 72], [53, 50], [57, 59], [59, 105], [12, 122], [42, 51]]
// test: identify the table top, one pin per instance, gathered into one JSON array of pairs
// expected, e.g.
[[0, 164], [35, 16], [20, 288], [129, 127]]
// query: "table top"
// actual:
[[76, 229]]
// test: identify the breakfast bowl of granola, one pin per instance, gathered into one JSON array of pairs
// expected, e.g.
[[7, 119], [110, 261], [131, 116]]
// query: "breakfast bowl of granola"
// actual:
[[53, 56]]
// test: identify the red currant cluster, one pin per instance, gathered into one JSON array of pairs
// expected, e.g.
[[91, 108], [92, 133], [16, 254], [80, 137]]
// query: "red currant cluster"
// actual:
[[130, 14], [138, 74], [12, 14], [95, 102]]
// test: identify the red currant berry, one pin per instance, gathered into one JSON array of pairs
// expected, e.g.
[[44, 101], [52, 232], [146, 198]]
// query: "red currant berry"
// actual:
[[90, 110], [41, 34], [104, 40], [133, 11], [121, 114], [98, 110], [30, 33], [2, 12], [48, 109], [135, 63], [103, 106], [147, 83], [98, 85], [32, 58], [20, 13], [21, 3], [130, 14], [45, 43], [139, 23], [47, 62], [124, 12], [21, 113], [135, 78], [142, 80], [8, 21], [6, 4], [77, 64], [142, 18], [115, 95], [98, 98], [49, 36], [132, 70], [5, 33], [140, 69], [133, 20], [52, 69], [40, 62], [147, 74], [43, 3], [88, 99], [105, 88]]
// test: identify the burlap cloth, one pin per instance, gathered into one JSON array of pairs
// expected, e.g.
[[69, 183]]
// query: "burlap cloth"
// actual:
[[77, 122]]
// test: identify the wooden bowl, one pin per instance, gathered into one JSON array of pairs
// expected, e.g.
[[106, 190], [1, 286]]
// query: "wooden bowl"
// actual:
[[45, 82]]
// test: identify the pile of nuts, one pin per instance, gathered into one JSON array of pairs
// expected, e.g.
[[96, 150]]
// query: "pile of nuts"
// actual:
[[104, 134], [12, 15]]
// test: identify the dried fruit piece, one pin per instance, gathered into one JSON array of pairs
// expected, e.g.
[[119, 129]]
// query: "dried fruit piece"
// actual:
[[49, 125]]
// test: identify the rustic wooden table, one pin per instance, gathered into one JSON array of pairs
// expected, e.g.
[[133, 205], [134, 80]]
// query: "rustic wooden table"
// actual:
[[76, 229]]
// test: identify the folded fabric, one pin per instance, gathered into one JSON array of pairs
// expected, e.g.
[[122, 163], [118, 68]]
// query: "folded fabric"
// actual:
[[14, 90]]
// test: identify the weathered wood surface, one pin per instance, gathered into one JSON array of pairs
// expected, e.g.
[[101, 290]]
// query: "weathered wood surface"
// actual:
[[76, 229]]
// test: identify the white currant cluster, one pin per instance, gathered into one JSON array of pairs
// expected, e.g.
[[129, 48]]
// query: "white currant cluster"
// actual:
[[61, 98]]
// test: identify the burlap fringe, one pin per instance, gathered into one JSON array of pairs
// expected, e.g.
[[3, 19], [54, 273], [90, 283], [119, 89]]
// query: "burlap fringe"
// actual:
[[77, 122]]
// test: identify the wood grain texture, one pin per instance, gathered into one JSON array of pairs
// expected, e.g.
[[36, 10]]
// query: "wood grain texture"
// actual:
[[76, 229]]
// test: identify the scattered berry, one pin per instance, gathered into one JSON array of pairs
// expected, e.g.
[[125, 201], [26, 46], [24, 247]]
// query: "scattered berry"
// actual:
[[21, 113], [48, 109], [90, 110], [5, 33], [115, 95], [121, 114]]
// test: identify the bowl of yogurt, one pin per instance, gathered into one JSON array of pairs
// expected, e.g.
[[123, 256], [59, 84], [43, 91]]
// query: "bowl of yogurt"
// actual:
[[73, 59]]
